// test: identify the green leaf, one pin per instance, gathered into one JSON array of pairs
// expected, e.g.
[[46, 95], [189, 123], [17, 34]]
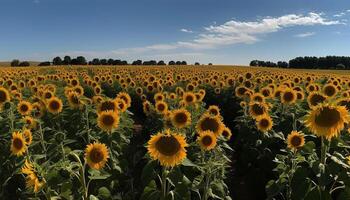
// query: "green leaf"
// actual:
[[148, 172], [92, 197], [189, 163], [150, 192]]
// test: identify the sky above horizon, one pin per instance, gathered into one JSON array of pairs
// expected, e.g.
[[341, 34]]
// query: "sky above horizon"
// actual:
[[217, 31]]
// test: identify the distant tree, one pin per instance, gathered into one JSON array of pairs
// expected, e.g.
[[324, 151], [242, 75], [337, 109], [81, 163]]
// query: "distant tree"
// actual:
[[183, 62], [178, 63], [110, 61], [137, 62], [124, 62], [24, 64], [282, 64], [340, 66], [57, 61], [210, 64], [47, 63], [161, 62], [103, 61], [74, 61], [196, 63], [95, 61], [15, 63], [81, 60], [117, 62], [67, 60], [254, 63], [171, 63]]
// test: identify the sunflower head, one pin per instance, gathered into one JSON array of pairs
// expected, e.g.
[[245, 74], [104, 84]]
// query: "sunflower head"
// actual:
[[295, 140], [326, 120], [18, 144], [288, 96], [54, 105], [24, 107], [330, 90], [214, 110], [257, 109], [126, 97], [28, 136], [161, 107], [226, 133], [107, 105], [264, 123], [168, 148], [73, 100], [180, 118], [211, 123], [108, 120], [4, 95], [207, 140], [96, 155]]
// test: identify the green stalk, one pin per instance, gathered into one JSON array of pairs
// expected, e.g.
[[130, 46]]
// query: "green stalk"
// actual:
[[164, 183], [322, 184]]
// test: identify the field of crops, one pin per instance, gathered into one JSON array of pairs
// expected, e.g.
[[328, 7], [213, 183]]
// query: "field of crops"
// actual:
[[186, 132]]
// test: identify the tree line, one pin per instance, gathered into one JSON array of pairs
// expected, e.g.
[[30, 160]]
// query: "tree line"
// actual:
[[308, 62], [81, 60]]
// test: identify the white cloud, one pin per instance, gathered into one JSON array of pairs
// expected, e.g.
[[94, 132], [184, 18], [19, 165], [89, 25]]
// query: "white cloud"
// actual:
[[218, 35], [186, 30], [339, 14], [307, 34], [348, 10]]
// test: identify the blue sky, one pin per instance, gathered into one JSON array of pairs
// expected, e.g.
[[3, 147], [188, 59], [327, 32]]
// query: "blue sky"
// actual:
[[218, 31]]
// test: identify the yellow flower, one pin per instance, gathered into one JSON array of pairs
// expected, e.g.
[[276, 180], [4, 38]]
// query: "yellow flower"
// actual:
[[180, 118], [326, 120], [168, 148], [257, 109], [264, 123], [161, 107], [108, 120], [4, 95], [288, 96], [24, 107], [126, 97], [18, 145], [96, 155], [54, 105], [227, 133], [210, 123], [295, 140], [28, 136], [207, 140]]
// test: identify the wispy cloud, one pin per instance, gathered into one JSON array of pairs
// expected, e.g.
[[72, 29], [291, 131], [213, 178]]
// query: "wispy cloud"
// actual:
[[303, 35], [186, 30], [229, 33], [36, 1], [339, 14]]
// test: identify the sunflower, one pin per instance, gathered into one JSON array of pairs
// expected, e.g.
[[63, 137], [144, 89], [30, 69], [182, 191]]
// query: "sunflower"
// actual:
[[108, 120], [4, 95], [54, 105], [32, 179], [264, 123], [168, 148], [24, 107], [258, 97], [180, 118], [122, 107], [214, 110], [161, 107], [315, 98], [326, 120], [159, 97], [18, 145], [28, 136], [29, 122], [210, 123], [39, 110], [73, 100], [126, 97], [96, 155], [207, 140], [295, 140], [288, 96], [189, 98], [226, 133], [330, 90], [107, 105], [257, 109]]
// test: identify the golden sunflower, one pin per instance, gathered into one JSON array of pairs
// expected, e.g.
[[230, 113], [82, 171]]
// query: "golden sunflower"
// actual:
[[161, 107], [207, 140], [126, 97], [295, 140], [189, 98], [28, 136], [214, 110], [73, 100], [326, 120], [4, 95], [108, 120], [257, 109], [315, 98], [107, 105], [226, 133], [24, 107], [168, 148], [31, 178], [258, 97], [147, 107], [159, 97], [330, 90], [96, 155], [54, 105], [288, 96], [122, 107], [180, 118], [264, 123], [29, 122], [18, 145], [210, 123]]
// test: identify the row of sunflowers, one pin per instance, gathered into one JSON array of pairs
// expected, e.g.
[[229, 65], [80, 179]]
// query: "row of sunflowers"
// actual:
[[173, 133]]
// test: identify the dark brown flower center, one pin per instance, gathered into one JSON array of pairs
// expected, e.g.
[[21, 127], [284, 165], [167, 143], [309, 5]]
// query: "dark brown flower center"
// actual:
[[168, 145], [327, 117], [96, 155], [207, 140]]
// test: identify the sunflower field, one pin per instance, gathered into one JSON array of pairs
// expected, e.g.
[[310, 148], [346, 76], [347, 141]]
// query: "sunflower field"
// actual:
[[171, 133]]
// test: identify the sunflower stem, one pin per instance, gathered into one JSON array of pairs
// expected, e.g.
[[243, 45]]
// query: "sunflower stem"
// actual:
[[324, 148], [42, 138], [164, 183]]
